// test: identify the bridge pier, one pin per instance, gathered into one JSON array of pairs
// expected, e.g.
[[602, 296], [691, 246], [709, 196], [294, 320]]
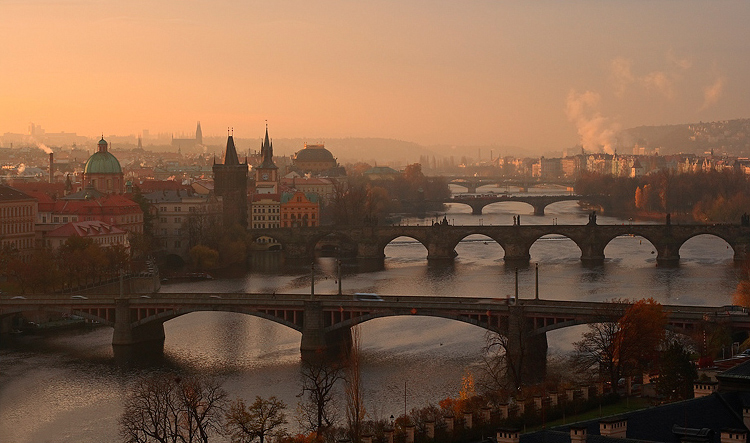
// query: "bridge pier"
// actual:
[[128, 342], [440, 252], [539, 209], [516, 254], [316, 341], [592, 254], [741, 252], [668, 256], [526, 351]]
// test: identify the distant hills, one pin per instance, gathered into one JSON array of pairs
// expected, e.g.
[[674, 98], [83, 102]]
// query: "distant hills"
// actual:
[[730, 137]]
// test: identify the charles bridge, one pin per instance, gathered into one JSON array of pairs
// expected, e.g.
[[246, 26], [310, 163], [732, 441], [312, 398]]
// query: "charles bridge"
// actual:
[[325, 320], [440, 239]]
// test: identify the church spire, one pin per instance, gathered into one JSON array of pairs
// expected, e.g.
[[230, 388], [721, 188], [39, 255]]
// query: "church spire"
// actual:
[[266, 151]]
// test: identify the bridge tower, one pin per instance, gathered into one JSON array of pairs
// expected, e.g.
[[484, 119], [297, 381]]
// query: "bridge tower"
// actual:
[[230, 183]]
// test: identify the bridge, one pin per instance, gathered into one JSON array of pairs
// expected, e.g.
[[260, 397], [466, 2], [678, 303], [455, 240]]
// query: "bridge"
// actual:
[[441, 239], [325, 320], [538, 202], [471, 183]]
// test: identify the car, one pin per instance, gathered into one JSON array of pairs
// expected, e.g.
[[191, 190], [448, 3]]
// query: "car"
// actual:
[[18, 297], [367, 296], [79, 297], [214, 296]]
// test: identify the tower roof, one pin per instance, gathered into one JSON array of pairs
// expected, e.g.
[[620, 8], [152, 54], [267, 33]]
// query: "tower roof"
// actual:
[[266, 151], [230, 157]]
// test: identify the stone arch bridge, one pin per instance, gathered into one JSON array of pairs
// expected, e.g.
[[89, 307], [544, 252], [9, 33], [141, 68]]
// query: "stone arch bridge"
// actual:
[[538, 202], [440, 240], [325, 320]]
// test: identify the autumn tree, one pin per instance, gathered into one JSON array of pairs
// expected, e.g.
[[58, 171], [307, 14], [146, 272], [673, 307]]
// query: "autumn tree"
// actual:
[[619, 346], [264, 418], [170, 408]]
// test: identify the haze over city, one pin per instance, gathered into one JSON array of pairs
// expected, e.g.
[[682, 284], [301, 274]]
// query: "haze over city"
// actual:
[[535, 75]]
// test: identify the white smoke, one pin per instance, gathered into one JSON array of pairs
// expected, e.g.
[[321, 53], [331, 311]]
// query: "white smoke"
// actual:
[[597, 133], [43, 147], [20, 169]]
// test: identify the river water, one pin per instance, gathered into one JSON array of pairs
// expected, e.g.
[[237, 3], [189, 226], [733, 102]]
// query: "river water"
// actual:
[[68, 388]]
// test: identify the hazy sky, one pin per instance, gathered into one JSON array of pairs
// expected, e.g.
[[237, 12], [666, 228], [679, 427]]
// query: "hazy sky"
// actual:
[[535, 74]]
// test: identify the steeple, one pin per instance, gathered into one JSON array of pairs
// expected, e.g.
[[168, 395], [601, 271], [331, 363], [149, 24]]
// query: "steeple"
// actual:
[[266, 152], [199, 134], [230, 157]]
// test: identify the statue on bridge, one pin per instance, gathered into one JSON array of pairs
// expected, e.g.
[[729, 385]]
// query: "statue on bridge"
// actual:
[[592, 218]]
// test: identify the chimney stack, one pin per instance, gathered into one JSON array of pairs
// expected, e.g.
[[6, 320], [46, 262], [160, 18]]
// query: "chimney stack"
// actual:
[[51, 167]]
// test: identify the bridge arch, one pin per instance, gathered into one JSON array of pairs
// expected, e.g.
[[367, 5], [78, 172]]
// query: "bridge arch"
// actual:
[[635, 247], [384, 242], [163, 317], [565, 243], [703, 241], [478, 237]]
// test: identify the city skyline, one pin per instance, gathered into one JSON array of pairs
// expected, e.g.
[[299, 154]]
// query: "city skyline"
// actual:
[[542, 76]]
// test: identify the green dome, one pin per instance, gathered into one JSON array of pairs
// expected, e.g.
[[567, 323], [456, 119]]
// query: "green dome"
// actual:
[[102, 163]]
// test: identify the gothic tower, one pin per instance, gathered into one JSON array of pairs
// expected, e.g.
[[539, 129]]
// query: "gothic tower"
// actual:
[[267, 173], [230, 183], [198, 135]]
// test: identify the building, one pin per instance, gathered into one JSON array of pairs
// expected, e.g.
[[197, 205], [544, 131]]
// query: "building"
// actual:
[[322, 186], [299, 209], [230, 183], [18, 213], [102, 234], [103, 172], [314, 159], [183, 219], [189, 143], [87, 205]]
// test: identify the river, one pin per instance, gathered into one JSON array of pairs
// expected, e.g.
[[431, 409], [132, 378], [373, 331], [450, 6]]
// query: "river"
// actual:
[[67, 387]]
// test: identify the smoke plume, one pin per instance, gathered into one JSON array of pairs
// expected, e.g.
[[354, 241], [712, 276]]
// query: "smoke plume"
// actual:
[[596, 132]]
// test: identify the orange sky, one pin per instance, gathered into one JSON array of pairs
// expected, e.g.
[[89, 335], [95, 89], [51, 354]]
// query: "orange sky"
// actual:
[[538, 75]]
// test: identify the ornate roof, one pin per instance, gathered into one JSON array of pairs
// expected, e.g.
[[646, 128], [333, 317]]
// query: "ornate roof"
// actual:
[[314, 153], [102, 162]]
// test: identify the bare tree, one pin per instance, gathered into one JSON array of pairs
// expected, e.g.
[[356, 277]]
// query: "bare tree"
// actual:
[[168, 408], [264, 418], [318, 381], [355, 410]]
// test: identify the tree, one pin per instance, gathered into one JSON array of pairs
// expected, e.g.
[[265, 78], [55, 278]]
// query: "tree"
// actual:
[[355, 409], [203, 258], [264, 418], [169, 408], [319, 378], [616, 347], [676, 373]]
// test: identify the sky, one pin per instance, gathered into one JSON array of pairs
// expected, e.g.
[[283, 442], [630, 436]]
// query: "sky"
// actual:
[[539, 75]]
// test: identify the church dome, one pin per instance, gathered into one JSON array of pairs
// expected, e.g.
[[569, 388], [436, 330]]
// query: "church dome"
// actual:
[[102, 162], [314, 153]]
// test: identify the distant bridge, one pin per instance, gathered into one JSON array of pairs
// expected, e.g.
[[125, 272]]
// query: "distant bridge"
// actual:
[[538, 202], [471, 183], [440, 240], [325, 320]]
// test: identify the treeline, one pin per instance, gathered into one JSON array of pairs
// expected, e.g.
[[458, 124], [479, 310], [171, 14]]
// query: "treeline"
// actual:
[[370, 202], [710, 196]]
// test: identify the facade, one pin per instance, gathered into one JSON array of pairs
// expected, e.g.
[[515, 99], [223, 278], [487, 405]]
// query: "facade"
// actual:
[[103, 234], [102, 171], [322, 186], [299, 210], [87, 205], [18, 213], [182, 219], [230, 183], [314, 159]]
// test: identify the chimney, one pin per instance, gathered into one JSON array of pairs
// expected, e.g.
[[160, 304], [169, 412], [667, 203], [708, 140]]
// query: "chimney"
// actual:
[[51, 167], [733, 436], [615, 427], [508, 435], [704, 388], [577, 434]]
